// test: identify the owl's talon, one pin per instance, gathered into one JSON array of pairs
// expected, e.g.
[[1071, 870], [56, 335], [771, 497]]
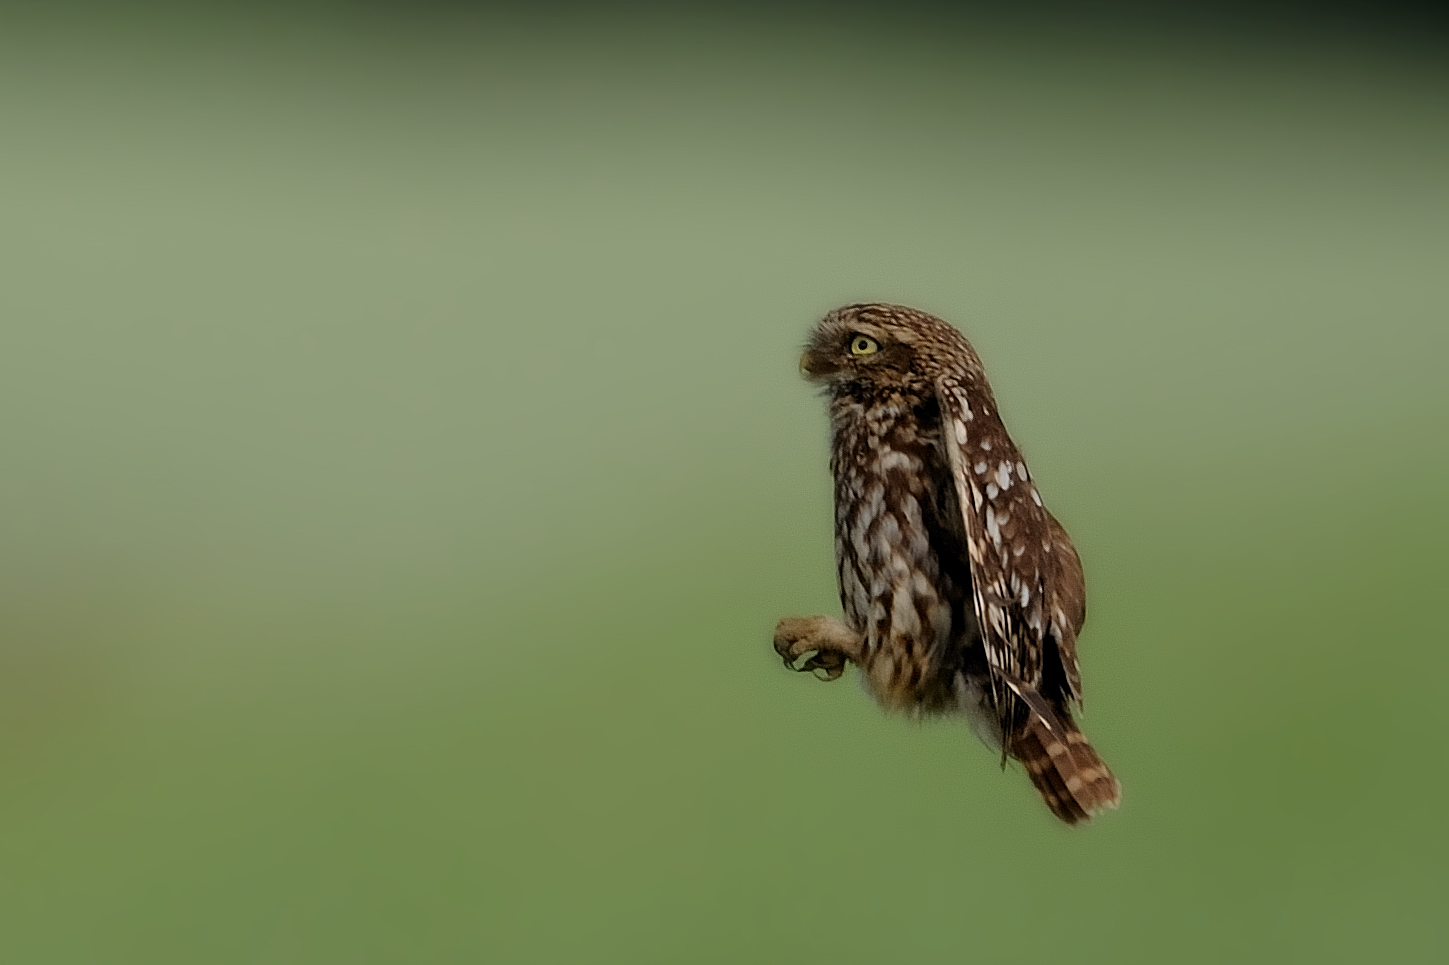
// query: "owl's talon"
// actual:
[[820, 646], [803, 661], [826, 672]]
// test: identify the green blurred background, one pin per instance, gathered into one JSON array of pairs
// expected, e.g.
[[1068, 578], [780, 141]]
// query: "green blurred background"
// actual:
[[405, 463]]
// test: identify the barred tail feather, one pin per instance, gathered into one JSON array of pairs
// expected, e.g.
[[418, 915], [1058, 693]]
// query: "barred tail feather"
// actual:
[[1071, 778]]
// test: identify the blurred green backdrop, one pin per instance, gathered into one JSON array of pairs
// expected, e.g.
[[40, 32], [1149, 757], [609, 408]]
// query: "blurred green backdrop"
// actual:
[[404, 465]]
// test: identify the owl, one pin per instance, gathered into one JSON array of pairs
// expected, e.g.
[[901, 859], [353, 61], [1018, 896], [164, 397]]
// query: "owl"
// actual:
[[962, 595]]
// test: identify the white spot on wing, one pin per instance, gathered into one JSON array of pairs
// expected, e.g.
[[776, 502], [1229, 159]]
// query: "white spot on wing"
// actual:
[[963, 403], [1003, 475], [991, 490], [980, 468], [961, 432], [1035, 496]]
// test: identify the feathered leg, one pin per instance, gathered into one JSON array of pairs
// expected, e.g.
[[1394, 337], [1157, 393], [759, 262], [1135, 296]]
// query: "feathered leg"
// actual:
[[832, 643]]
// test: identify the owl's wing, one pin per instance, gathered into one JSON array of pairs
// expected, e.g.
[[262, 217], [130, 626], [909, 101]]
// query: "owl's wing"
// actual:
[[1026, 579]]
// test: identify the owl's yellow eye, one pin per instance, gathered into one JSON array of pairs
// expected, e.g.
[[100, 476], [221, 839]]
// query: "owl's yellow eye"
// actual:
[[863, 345]]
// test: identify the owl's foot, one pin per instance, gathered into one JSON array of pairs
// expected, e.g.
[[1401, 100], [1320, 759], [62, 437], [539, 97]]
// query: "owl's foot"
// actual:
[[821, 645]]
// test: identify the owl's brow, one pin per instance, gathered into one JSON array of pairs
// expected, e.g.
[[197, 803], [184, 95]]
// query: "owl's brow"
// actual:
[[879, 329], [899, 334], [854, 326]]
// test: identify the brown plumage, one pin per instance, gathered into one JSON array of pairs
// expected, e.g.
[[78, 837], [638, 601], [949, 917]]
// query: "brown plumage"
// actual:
[[962, 594]]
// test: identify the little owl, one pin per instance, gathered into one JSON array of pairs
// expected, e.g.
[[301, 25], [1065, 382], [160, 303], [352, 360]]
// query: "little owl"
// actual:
[[962, 593]]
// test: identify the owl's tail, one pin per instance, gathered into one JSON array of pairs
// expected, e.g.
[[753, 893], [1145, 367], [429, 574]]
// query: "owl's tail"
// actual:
[[1071, 778]]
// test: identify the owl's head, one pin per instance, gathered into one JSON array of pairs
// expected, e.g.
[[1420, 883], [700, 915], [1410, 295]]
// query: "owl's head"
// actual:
[[882, 345]]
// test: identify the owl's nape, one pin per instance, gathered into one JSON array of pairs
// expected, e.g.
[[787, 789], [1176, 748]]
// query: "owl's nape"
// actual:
[[961, 594]]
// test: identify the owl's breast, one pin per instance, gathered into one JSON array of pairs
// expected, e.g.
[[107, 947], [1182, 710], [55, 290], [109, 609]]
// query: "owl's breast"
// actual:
[[903, 572]]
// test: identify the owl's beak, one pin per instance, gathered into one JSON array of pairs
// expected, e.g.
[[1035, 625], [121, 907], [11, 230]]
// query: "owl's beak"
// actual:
[[813, 367]]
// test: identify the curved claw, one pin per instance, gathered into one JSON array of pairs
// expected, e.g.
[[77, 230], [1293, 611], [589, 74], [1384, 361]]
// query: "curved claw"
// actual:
[[803, 661], [826, 671]]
